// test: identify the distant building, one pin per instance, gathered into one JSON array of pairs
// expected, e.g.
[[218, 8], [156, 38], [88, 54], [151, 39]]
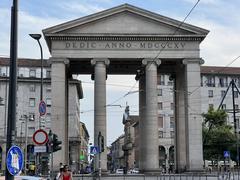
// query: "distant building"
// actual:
[[214, 83], [28, 98]]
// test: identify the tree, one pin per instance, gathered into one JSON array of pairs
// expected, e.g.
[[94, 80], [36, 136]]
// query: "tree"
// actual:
[[217, 135]]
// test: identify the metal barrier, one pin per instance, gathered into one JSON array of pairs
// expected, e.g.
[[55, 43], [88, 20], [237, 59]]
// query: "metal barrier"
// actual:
[[150, 177]]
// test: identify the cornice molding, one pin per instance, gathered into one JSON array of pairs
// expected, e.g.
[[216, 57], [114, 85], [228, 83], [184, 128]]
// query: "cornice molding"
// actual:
[[126, 38]]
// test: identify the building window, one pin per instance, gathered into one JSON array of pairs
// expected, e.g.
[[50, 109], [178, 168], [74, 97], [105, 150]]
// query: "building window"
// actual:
[[160, 122], [31, 117], [160, 134], [222, 93], [48, 102], [48, 73], [32, 73], [235, 94], [170, 83], [48, 89], [223, 82], [237, 121], [31, 131], [210, 93], [159, 92], [160, 105], [236, 106], [211, 81], [48, 117], [160, 79], [172, 106], [32, 87], [32, 102], [172, 122], [224, 107], [210, 106], [172, 134]]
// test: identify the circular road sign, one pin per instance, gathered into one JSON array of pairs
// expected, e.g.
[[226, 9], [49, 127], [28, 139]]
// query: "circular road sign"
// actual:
[[14, 160], [42, 108], [40, 137]]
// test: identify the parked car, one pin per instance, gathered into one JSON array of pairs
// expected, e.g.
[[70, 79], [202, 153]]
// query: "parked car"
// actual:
[[119, 171], [135, 171]]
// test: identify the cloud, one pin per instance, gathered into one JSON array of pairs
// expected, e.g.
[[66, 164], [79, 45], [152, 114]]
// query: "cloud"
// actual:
[[78, 8], [203, 1], [27, 24], [221, 45]]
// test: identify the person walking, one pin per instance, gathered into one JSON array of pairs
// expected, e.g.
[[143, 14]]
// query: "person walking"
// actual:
[[58, 176], [66, 174]]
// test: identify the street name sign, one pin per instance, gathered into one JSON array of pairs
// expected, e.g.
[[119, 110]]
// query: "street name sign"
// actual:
[[39, 149]]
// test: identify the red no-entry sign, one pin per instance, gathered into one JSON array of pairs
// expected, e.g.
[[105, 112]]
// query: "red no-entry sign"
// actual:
[[40, 137]]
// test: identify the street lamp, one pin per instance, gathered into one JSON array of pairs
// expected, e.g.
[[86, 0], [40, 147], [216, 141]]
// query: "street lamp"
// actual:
[[38, 37]]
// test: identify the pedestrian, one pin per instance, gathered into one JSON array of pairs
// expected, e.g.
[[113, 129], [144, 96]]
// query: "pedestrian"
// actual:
[[59, 173], [66, 174]]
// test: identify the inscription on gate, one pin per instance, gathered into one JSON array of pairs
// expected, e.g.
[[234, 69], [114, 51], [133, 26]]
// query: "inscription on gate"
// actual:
[[124, 45]]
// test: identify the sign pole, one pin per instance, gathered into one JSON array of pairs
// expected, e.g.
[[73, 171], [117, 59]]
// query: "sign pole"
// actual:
[[26, 142], [100, 169]]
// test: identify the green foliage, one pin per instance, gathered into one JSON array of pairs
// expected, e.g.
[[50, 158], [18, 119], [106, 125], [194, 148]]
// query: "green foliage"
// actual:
[[215, 118], [217, 135]]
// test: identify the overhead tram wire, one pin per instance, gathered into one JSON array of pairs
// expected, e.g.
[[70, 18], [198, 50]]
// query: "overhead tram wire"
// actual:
[[217, 72], [164, 46], [177, 29], [167, 41]]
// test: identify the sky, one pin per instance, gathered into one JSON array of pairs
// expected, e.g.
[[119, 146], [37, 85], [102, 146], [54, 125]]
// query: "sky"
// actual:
[[220, 47]]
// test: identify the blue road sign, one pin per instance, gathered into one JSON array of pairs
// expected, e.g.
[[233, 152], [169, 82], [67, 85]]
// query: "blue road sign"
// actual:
[[94, 150], [42, 108], [14, 160], [226, 154]]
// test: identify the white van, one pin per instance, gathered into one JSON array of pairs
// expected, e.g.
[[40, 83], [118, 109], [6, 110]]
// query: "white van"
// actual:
[[119, 171]]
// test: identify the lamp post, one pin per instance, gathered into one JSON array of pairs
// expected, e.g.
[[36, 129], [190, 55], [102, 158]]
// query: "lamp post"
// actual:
[[38, 37], [11, 122]]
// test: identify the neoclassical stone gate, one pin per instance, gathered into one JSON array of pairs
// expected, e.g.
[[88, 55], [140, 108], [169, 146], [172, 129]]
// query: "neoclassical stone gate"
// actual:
[[127, 40]]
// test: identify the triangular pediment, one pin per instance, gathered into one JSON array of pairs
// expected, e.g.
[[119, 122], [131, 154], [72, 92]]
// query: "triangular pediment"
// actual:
[[125, 19]]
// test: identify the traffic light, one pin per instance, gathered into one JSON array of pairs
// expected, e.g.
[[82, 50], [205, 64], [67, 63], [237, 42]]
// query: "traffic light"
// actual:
[[102, 144], [56, 143]]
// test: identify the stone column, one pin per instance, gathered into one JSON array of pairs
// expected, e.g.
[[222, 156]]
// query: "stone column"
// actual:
[[59, 114], [142, 107], [150, 123], [193, 117], [180, 127], [100, 107]]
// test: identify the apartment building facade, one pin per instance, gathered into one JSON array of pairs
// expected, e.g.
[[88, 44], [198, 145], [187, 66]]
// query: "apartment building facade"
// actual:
[[27, 115]]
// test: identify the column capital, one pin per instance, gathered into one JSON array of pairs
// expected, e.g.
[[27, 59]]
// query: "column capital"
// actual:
[[193, 61], [104, 60], [156, 61], [59, 60]]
